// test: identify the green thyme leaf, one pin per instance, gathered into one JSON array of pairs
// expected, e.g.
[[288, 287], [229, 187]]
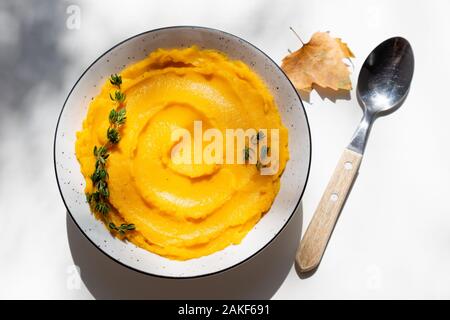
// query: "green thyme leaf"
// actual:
[[103, 174], [102, 151], [115, 80], [102, 207], [119, 96], [112, 116], [113, 135], [122, 228], [121, 116], [102, 188], [98, 200], [247, 153]]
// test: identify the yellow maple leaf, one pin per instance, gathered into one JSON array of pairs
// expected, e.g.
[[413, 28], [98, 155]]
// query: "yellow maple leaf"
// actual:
[[320, 62]]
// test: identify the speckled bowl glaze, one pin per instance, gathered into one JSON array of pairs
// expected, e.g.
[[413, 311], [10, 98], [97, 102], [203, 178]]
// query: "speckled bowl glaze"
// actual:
[[71, 182]]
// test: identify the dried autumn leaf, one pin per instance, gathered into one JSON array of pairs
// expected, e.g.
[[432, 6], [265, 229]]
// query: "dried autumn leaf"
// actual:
[[320, 62]]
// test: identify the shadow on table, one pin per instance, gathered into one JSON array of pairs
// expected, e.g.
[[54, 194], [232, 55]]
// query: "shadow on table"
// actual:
[[258, 278]]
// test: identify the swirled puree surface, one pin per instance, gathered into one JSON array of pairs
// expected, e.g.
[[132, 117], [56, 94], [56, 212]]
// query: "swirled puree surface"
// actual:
[[183, 211]]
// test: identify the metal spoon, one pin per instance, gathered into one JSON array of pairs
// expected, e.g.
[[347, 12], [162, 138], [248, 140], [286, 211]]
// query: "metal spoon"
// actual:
[[383, 85]]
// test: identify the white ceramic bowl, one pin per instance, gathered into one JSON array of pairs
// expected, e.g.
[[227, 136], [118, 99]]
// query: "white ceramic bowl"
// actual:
[[71, 182]]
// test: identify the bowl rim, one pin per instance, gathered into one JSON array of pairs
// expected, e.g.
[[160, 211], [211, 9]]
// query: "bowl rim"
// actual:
[[210, 273]]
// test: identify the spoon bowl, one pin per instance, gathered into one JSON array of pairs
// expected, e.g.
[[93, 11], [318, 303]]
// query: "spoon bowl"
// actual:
[[385, 76]]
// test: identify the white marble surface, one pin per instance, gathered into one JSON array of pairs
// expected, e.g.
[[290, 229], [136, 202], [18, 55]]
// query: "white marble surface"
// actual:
[[393, 238]]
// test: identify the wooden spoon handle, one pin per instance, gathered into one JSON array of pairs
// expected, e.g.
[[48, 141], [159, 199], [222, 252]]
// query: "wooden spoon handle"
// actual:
[[315, 240]]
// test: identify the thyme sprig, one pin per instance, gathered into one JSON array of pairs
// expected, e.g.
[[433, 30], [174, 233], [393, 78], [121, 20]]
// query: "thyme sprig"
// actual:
[[124, 227], [99, 199], [264, 150]]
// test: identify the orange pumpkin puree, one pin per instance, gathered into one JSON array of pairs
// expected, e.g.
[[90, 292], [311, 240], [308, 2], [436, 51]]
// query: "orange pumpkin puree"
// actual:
[[183, 212]]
